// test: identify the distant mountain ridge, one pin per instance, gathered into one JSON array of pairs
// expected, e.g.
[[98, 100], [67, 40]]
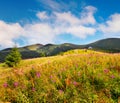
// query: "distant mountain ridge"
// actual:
[[29, 47], [109, 44], [33, 51]]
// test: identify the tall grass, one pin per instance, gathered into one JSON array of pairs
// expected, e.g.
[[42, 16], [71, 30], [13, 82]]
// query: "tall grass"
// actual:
[[75, 77]]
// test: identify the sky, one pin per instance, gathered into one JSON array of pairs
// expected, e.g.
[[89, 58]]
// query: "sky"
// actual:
[[26, 22]]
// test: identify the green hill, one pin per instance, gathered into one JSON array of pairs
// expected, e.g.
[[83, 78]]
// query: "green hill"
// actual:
[[27, 52], [33, 51], [110, 44]]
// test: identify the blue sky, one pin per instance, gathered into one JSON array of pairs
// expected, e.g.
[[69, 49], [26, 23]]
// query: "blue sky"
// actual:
[[28, 22]]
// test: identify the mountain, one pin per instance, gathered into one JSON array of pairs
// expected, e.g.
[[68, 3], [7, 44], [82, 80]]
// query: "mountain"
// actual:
[[109, 44], [37, 50], [29, 47], [27, 52], [52, 49]]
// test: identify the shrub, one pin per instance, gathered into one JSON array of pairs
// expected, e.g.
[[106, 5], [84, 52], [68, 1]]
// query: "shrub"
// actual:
[[42, 54]]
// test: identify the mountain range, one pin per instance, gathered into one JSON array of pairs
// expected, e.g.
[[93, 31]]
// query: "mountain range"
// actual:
[[111, 45]]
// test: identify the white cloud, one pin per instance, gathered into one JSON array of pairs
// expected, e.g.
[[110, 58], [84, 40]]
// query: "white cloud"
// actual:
[[42, 15], [66, 18], [50, 4], [50, 27], [81, 31], [9, 32], [58, 23], [87, 16], [111, 26], [53, 5], [38, 33]]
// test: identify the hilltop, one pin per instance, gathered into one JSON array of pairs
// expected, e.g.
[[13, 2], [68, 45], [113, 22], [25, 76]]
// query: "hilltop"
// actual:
[[110, 44]]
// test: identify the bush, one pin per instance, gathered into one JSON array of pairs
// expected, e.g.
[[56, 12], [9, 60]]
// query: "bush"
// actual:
[[13, 58], [42, 54]]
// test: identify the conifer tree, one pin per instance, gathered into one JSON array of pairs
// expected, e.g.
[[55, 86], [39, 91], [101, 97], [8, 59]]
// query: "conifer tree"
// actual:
[[13, 58]]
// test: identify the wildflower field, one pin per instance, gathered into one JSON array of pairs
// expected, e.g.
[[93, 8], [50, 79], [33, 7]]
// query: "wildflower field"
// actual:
[[77, 76]]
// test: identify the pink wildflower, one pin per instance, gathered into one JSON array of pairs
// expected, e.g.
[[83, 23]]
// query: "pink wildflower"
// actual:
[[51, 77], [15, 84], [106, 70], [5, 85], [75, 83], [33, 89], [112, 76], [60, 91], [38, 74]]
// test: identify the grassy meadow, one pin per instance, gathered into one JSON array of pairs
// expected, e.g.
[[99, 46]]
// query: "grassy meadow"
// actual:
[[76, 76]]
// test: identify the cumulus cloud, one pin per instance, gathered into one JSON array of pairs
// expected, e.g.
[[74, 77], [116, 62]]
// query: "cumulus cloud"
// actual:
[[49, 26], [67, 18], [8, 33], [81, 31], [38, 33], [87, 16], [111, 26]]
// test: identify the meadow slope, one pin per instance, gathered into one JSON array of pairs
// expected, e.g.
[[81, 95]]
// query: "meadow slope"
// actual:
[[77, 76]]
